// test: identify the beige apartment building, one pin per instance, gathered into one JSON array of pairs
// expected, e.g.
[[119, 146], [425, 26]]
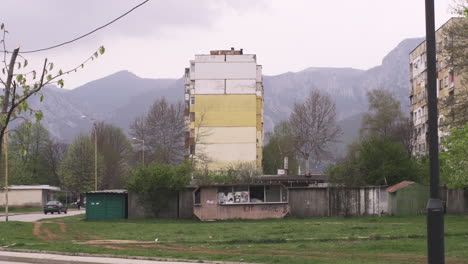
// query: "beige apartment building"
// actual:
[[449, 84], [224, 109]]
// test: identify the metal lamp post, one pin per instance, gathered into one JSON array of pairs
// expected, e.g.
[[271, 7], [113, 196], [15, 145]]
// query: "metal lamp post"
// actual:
[[142, 149], [95, 151], [435, 209]]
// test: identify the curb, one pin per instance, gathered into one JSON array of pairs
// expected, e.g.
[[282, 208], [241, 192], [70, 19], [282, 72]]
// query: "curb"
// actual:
[[57, 261]]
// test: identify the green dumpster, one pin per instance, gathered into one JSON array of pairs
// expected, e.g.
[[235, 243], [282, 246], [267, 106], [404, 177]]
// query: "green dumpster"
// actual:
[[106, 205]]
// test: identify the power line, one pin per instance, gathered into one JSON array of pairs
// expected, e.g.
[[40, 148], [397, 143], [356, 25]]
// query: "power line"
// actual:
[[87, 34]]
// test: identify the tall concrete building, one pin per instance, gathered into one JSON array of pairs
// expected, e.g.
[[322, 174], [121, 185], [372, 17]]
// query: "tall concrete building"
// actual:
[[224, 109], [449, 84]]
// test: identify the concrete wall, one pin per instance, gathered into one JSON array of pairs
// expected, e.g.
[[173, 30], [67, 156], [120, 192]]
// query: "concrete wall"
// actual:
[[225, 110], [357, 201], [225, 70], [308, 202], [209, 209], [23, 198], [180, 206], [216, 135], [210, 87], [337, 201]]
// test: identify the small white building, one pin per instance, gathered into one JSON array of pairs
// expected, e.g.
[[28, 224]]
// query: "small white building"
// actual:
[[29, 195]]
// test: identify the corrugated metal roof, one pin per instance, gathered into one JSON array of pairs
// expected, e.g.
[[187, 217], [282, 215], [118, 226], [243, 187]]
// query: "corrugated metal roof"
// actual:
[[398, 186], [110, 191]]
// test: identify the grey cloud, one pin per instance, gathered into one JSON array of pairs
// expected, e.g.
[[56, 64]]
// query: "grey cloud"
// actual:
[[35, 24]]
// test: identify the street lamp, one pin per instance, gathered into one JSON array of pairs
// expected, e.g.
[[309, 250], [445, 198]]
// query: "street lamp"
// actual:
[[95, 150], [142, 149], [435, 209]]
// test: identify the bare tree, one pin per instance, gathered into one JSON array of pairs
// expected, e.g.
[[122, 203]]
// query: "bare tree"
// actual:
[[198, 156], [54, 153], [163, 130], [313, 127]]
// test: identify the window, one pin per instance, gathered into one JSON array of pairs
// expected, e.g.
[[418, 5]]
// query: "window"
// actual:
[[192, 116], [192, 149], [197, 198], [273, 193], [192, 99], [242, 194], [446, 80], [452, 78], [441, 84]]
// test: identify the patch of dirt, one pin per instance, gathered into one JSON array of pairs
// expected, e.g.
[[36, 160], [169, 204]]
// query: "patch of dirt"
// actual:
[[63, 227], [44, 233], [37, 231]]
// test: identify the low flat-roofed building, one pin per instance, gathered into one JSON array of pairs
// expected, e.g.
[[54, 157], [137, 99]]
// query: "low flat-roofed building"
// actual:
[[29, 195]]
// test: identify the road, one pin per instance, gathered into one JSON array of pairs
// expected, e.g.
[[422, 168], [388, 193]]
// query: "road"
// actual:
[[37, 216], [28, 258]]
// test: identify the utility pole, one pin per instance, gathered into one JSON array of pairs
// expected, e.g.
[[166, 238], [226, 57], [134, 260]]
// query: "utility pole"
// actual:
[[6, 175], [142, 149], [95, 156], [95, 150], [6, 103], [435, 209]]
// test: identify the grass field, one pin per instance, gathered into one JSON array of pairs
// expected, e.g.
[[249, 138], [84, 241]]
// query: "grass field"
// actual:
[[290, 240], [16, 210]]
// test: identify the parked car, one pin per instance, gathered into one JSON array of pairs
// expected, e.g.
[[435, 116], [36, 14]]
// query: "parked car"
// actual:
[[54, 206]]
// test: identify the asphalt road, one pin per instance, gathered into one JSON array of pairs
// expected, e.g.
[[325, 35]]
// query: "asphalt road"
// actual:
[[37, 216], [8, 262]]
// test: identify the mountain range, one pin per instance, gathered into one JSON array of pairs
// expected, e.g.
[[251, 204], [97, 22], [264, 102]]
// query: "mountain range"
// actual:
[[121, 97]]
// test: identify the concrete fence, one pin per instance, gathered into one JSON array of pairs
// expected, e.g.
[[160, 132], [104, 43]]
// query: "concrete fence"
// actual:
[[179, 205], [310, 202], [457, 201], [337, 201]]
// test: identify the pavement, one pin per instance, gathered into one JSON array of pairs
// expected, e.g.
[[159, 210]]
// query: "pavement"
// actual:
[[24, 257], [37, 216]]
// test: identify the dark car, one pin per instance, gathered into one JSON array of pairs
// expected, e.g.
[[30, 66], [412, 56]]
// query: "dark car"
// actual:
[[54, 206]]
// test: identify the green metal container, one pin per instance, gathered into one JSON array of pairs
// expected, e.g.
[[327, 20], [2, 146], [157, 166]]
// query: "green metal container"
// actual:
[[407, 198], [106, 205]]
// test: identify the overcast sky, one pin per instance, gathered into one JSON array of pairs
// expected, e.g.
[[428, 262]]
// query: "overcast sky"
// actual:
[[158, 39]]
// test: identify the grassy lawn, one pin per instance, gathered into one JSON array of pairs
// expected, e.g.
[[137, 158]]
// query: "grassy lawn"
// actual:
[[18, 210], [290, 240]]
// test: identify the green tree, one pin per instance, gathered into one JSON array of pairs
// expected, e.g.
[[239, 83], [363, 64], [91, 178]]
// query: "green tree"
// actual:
[[116, 151], [155, 183], [454, 158], [375, 161], [19, 84], [385, 118], [77, 168], [27, 159], [280, 144]]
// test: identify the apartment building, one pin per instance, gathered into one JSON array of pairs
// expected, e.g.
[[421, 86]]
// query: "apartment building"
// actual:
[[448, 85], [224, 109]]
